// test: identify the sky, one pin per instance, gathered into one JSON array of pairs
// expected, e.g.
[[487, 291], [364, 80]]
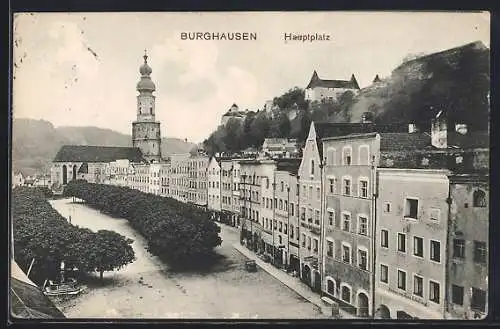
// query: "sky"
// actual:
[[81, 69]]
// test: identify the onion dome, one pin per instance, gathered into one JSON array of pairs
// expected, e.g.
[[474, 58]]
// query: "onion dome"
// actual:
[[145, 84]]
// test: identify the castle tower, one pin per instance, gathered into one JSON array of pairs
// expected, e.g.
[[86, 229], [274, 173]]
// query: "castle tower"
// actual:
[[146, 133]]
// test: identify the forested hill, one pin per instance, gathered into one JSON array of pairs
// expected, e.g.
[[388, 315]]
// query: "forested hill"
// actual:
[[456, 81], [36, 142]]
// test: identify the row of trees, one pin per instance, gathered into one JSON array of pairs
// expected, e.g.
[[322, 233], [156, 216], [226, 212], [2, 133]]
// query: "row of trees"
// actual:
[[41, 233], [179, 233]]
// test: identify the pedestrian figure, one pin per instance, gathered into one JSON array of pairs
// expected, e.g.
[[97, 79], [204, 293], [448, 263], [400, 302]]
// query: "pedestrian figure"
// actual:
[[69, 219]]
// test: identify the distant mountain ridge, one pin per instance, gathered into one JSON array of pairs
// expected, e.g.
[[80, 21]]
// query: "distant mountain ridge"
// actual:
[[36, 142]]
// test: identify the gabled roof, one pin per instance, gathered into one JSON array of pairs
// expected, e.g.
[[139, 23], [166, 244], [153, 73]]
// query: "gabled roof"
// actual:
[[84, 153], [325, 83]]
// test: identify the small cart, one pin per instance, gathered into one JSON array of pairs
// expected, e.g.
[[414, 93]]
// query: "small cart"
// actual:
[[250, 266]]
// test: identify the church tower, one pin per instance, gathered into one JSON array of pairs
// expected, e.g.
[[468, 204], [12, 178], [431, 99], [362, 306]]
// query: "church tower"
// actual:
[[145, 130]]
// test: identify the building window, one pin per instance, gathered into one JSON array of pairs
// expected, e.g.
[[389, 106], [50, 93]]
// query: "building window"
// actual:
[[292, 209], [434, 291], [309, 242], [384, 238], [312, 167], [279, 239], [364, 154], [281, 204], [346, 186], [281, 226], [459, 248], [285, 229], [303, 240], [332, 185], [478, 300], [346, 254], [479, 198], [457, 294], [346, 294], [401, 242], [316, 217], [387, 207], [384, 273], [310, 192], [418, 286], [435, 251], [362, 259], [282, 186], [316, 244], [346, 222], [346, 156], [480, 252], [418, 246], [434, 214], [318, 193], [363, 225], [329, 250], [401, 280], [411, 209], [363, 188], [330, 157], [291, 231], [331, 217], [330, 287]]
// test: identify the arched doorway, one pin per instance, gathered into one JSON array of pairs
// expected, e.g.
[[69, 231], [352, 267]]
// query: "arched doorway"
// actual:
[[306, 274], [317, 282], [363, 305], [65, 174], [383, 312], [74, 172]]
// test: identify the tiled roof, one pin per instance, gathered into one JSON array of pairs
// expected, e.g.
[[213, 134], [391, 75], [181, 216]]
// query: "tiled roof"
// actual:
[[473, 139], [28, 302], [404, 141], [290, 165], [83, 153], [317, 82], [332, 84]]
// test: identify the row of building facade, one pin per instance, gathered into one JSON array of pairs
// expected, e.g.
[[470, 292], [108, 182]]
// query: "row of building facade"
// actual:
[[387, 221], [388, 224]]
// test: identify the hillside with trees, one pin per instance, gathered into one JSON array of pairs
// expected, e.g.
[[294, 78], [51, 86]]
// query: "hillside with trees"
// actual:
[[456, 81]]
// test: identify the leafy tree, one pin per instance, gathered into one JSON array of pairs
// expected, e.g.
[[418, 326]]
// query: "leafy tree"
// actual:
[[105, 251]]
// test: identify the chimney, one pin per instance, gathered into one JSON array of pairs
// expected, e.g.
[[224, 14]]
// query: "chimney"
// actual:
[[412, 128], [461, 128], [439, 131]]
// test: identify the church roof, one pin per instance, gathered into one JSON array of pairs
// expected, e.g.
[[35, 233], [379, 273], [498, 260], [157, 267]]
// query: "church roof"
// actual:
[[84, 153]]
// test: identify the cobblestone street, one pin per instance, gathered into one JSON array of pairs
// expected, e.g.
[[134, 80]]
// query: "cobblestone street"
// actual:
[[227, 291]]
